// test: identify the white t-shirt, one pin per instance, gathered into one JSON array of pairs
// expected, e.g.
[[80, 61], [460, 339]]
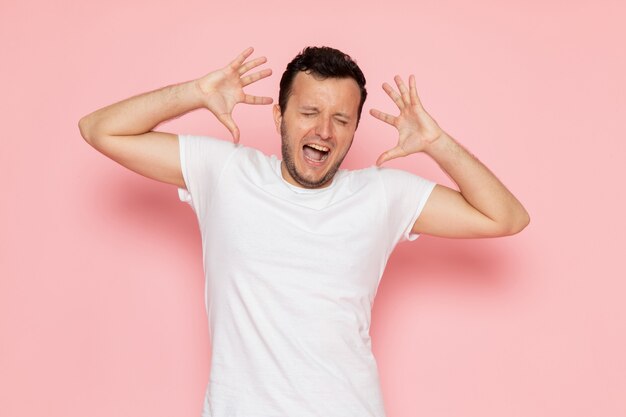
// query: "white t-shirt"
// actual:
[[291, 276]]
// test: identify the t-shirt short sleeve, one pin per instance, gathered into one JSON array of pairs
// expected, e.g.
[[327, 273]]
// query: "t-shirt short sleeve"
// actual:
[[406, 195], [202, 160]]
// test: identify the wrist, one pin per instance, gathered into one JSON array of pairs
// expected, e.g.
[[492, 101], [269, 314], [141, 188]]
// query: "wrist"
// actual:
[[191, 93], [181, 97], [438, 145]]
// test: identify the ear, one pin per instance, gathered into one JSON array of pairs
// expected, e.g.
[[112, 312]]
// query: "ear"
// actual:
[[277, 117]]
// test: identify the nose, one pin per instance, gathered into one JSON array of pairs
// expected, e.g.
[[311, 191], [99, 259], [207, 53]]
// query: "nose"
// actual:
[[324, 128]]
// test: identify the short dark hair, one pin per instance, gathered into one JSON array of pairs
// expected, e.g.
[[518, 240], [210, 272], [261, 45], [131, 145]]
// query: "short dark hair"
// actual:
[[325, 62]]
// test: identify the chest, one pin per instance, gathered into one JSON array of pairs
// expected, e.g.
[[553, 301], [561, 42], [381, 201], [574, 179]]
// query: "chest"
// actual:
[[344, 235]]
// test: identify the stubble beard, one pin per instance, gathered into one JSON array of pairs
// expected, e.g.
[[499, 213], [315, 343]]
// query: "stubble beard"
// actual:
[[291, 166]]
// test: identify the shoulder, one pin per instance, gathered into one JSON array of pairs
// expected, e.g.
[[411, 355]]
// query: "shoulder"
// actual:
[[375, 177], [400, 185], [382, 176], [398, 178], [207, 141], [364, 179], [210, 147], [393, 174]]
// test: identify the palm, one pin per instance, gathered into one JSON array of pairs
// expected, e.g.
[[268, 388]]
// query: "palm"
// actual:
[[416, 128], [223, 89]]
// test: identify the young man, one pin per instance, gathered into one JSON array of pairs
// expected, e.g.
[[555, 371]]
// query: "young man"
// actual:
[[294, 249]]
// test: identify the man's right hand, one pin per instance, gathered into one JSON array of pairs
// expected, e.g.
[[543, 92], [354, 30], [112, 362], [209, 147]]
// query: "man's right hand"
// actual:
[[223, 89], [124, 132]]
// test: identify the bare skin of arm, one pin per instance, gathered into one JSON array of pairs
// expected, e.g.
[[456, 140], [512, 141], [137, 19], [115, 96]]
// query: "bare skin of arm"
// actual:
[[483, 207], [124, 131]]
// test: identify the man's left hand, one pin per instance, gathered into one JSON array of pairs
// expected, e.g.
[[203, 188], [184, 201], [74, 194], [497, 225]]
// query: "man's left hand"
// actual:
[[417, 130]]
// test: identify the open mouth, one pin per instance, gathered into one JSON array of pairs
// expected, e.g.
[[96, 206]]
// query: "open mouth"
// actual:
[[315, 153]]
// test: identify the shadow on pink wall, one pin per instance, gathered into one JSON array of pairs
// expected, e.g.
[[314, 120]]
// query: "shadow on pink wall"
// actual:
[[149, 208], [476, 262]]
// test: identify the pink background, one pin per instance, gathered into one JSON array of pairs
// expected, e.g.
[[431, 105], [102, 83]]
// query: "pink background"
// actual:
[[101, 304]]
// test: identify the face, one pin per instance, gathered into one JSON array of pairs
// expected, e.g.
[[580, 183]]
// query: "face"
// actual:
[[317, 128]]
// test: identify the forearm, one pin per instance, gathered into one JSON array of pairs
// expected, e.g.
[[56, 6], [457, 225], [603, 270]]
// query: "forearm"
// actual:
[[478, 185], [141, 113]]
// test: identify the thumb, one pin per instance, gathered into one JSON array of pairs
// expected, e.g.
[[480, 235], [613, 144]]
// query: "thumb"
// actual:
[[227, 120], [390, 154]]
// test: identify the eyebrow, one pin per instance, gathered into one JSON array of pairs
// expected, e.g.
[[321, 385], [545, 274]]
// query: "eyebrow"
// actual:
[[313, 108]]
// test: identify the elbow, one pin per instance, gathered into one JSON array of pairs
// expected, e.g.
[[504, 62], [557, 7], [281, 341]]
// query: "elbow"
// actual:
[[523, 220], [88, 130], [516, 224], [84, 128], [521, 225]]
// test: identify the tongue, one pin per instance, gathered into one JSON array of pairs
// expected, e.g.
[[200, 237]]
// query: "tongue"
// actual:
[[313, 154]]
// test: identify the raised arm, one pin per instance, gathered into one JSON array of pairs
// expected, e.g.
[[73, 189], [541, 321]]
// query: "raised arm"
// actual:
[[124, 131], [483, 207]]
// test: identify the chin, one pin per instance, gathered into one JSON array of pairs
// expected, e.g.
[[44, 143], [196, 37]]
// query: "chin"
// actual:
[[308, 182]]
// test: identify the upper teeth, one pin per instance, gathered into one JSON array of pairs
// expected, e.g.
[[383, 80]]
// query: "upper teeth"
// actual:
[[318, 147]]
